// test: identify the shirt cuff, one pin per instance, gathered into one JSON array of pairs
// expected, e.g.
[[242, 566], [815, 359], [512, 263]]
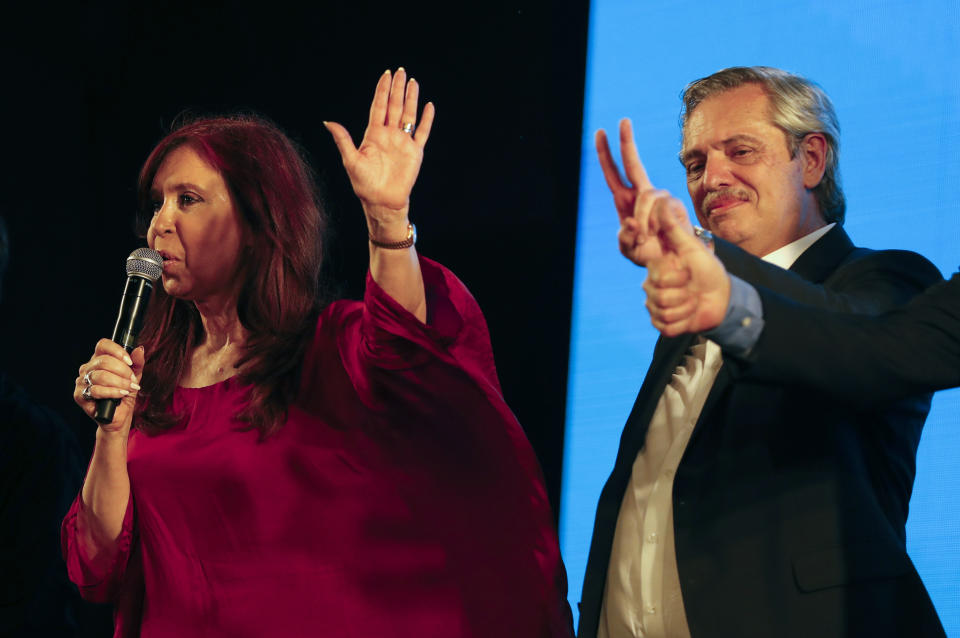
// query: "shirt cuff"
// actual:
[[743, 323]]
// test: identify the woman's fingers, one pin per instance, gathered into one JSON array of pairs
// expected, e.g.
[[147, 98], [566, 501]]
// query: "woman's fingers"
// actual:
[[108, 375], [410, 94], [107, 379], [395, 103], [110, 347], [341, 137], [101, 363], [99, 391], [378, 108], [426, 122], [394, 106], [139, 357], [111, 373]]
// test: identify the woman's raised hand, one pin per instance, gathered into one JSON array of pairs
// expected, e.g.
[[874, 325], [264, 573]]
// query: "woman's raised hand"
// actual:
[[385, 166], [110, 374]]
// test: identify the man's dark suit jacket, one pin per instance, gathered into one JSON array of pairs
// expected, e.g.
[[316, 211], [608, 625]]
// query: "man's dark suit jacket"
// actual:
[[789, 507], [877, 359], [40, 473]]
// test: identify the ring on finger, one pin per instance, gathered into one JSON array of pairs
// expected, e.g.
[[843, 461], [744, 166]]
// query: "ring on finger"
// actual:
[[408, 127], [85, 393], [86, 379]]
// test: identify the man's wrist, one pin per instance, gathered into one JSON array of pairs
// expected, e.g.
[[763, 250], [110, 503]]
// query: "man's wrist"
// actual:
[[743, 322], [705, 237]]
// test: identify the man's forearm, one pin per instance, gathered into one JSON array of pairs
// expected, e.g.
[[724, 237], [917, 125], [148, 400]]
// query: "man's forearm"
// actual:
[[911, 350]]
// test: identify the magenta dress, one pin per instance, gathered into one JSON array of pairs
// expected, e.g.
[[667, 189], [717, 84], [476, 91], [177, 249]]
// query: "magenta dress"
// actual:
[[401, 498]]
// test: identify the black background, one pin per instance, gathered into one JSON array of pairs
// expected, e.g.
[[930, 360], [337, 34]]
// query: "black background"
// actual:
[[88, 90]]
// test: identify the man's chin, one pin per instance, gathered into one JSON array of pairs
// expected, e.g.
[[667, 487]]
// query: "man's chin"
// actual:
[[723, 226]]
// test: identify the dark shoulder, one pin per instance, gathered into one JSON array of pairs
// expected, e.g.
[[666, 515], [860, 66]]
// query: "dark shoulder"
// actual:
[[912, 268], [31, 435], [27, 420]]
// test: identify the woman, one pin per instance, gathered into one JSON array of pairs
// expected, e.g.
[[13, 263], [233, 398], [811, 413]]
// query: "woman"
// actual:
[[286, 472]]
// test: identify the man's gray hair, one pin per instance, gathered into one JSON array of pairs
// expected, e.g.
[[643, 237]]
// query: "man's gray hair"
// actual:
[[798, 107]]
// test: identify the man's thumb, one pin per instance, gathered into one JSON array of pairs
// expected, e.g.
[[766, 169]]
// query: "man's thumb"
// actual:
[[676, 229]]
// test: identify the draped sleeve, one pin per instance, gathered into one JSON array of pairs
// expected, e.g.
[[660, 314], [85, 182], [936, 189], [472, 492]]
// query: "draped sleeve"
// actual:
[[455, 332], [432, 390], [97, 577]]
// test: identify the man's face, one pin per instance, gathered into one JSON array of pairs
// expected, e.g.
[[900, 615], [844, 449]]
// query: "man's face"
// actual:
[[743, 183]]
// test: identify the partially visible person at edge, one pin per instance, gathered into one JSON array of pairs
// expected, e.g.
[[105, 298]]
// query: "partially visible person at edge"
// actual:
[[40, 472], [275, 470], [743, 509], [869, 360]]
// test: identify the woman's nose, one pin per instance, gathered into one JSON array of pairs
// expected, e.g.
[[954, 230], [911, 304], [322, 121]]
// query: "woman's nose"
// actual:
[[162, 220]]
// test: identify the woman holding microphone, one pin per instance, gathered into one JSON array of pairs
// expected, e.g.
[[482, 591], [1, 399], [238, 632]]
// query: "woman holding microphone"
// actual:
[[279, 469]]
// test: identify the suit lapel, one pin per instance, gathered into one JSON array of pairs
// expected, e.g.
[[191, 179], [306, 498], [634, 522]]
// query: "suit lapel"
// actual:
[[823, 257], [666, 357]]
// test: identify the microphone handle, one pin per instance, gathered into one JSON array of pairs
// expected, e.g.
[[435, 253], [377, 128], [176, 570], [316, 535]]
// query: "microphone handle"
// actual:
[[133, 308]]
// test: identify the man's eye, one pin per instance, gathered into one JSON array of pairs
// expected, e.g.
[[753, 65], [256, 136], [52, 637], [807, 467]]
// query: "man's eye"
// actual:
[[694, 169], [742, 152]]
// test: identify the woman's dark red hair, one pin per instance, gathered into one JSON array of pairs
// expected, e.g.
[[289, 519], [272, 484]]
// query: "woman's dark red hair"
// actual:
[[276, 195]]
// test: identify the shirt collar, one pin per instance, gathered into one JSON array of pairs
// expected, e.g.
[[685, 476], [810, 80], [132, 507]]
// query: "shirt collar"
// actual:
[[786, 255]]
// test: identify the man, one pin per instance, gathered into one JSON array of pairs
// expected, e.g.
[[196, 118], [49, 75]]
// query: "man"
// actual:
[[741, 509], [868, 360]]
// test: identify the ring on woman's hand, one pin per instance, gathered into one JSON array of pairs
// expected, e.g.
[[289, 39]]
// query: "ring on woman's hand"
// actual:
[[86, 379], [85, 393], [408, 127]]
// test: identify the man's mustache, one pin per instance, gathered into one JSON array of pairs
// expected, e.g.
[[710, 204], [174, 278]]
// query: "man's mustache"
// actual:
[[723, 196]]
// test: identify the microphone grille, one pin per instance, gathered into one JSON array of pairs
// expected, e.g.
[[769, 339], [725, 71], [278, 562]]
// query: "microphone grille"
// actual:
[[145, 262]]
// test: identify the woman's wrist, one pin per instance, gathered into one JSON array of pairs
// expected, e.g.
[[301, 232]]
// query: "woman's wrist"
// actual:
[[387, 227], [113, 438]]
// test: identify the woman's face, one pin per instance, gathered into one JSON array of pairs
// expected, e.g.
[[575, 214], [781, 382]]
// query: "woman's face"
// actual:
[[196, 228]]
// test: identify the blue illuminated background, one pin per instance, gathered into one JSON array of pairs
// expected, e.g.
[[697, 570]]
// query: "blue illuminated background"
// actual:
[[891, 69]]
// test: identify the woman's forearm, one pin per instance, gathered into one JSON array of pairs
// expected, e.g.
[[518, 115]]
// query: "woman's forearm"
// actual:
[[397, 270], [382, 171], [106, 493]]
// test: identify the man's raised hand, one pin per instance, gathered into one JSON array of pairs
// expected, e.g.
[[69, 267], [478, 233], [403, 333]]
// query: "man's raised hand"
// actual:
[[637, 202]]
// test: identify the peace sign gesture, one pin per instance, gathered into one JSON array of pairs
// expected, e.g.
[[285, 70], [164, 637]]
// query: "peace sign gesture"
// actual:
[[635, 198]]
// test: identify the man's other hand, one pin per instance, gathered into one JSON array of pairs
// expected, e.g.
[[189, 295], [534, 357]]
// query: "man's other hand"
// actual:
[[688, 289]]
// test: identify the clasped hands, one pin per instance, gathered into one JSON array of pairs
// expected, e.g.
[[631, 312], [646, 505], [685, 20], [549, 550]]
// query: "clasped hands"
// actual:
[[687, 287]]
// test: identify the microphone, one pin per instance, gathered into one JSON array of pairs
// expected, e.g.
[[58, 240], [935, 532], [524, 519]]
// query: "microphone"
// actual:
[[144, 266]]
